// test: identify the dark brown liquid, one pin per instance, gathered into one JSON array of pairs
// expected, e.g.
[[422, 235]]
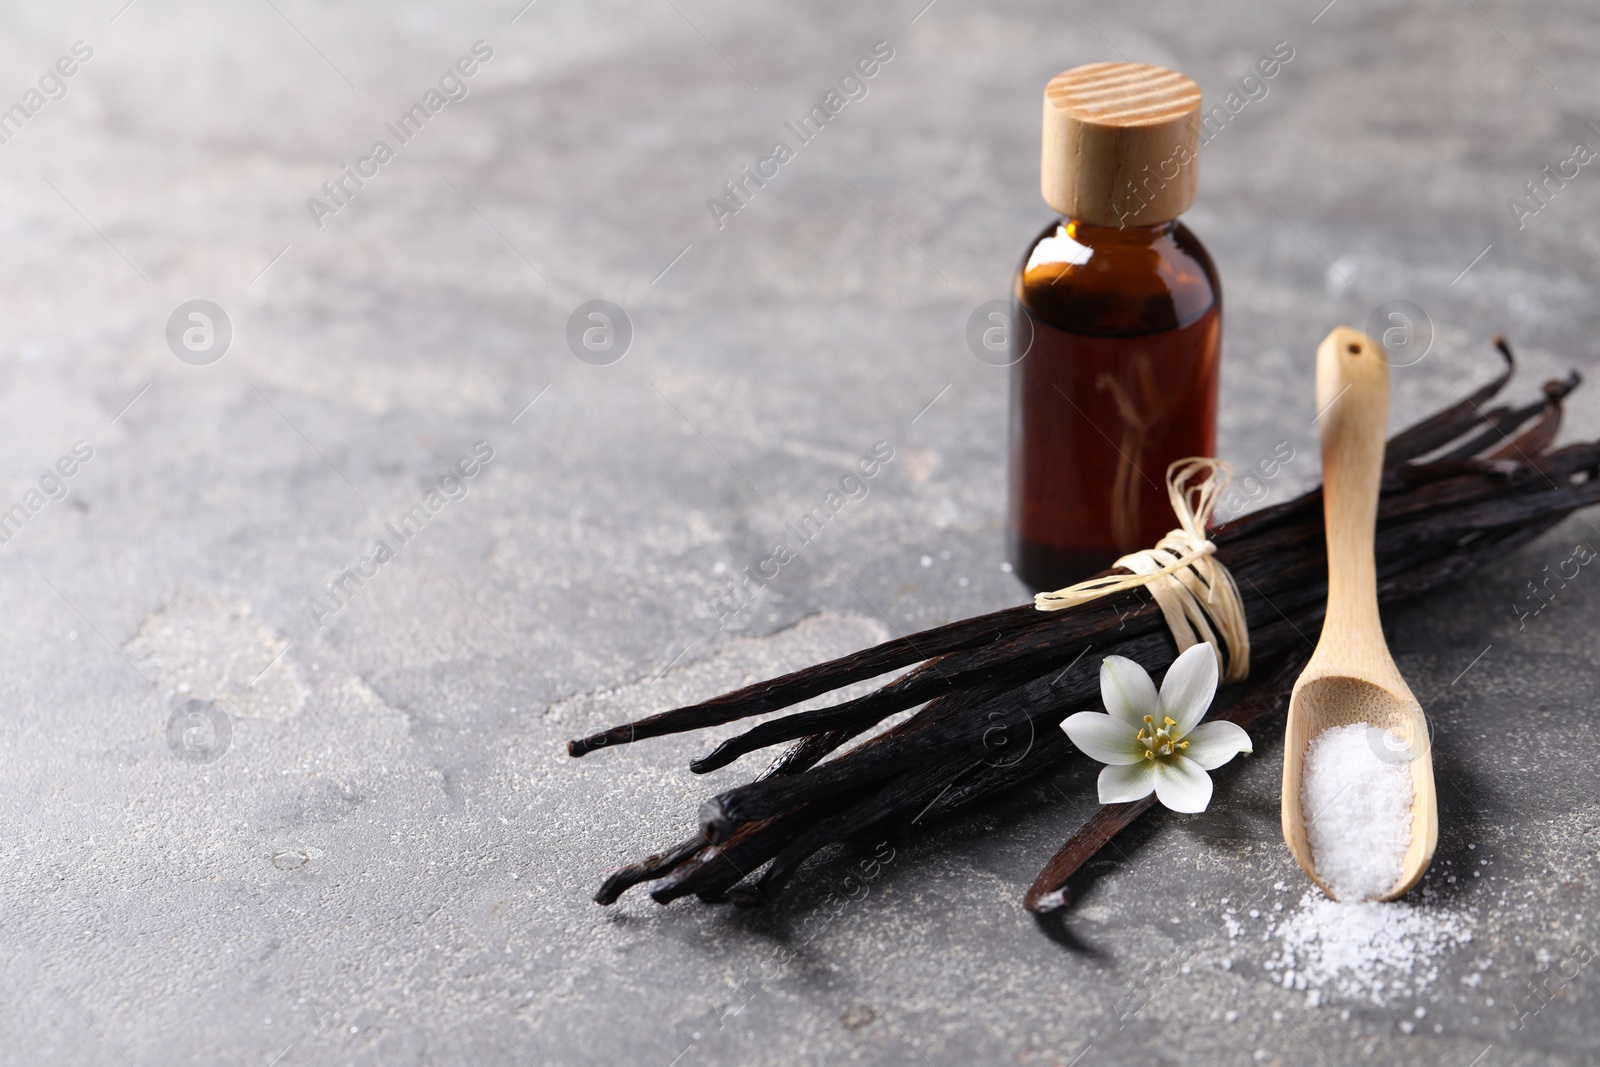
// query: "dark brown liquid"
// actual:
[[1119, 381]]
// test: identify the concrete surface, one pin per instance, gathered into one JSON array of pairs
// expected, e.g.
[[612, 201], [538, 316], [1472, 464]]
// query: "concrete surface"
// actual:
[[386, 856]]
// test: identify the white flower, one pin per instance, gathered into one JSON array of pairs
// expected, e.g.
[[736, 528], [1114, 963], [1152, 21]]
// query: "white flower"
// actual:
[[1158, 742]]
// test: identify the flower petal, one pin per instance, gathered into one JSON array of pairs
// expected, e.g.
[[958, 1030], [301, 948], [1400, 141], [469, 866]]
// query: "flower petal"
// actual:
[[1103, 738], [1211, 744], [1181, 785], [1118, 785], [1187, 689], [1127, 691]]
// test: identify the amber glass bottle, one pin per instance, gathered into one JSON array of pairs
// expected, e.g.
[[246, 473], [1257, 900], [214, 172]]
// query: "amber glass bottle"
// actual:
[[1118, 333]]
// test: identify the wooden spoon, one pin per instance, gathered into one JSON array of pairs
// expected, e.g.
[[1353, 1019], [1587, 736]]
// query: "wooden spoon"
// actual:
[[1351, 678]]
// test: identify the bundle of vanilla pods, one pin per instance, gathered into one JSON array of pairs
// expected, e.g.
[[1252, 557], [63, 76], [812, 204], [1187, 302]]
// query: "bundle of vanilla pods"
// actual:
[[1461, 489]]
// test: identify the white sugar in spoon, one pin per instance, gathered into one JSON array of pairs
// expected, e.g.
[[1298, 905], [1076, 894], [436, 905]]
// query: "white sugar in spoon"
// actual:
[[1351, 677]]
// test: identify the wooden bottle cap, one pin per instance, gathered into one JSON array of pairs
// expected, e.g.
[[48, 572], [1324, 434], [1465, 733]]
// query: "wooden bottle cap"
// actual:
[[1121, 144]]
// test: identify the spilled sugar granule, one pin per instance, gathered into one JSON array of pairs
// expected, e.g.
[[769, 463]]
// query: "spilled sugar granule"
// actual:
[[1357, 808], [1368, 951]]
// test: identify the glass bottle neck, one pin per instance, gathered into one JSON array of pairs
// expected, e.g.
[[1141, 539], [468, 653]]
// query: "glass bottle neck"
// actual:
[[1091, 235]]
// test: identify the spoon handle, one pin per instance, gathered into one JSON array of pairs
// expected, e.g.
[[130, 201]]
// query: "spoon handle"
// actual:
[[1353, 402]]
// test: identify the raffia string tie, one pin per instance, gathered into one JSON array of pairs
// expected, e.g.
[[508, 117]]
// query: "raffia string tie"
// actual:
[[1195, 592]]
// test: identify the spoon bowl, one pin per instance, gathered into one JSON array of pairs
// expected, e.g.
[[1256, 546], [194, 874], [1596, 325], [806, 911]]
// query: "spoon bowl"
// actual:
[[1351, 677]]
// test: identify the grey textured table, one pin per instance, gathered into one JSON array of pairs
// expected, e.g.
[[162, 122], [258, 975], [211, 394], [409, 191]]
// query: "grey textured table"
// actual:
[[390, 859]]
